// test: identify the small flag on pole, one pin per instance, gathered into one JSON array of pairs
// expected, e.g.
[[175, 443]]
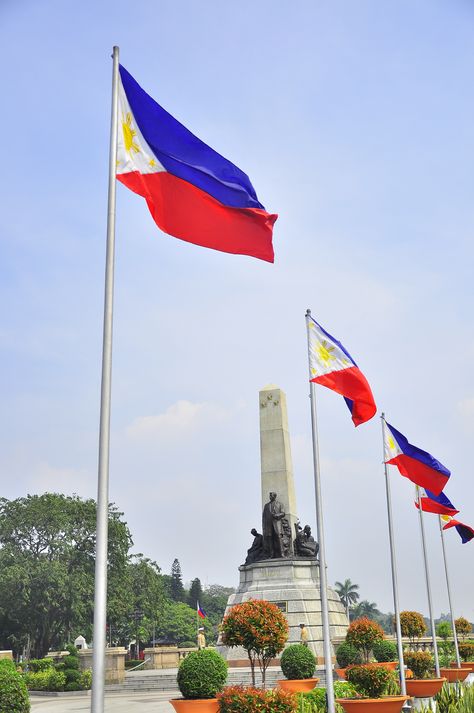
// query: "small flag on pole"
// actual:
[[193, 192], [418, 466], [201, 611], [332, 366], [438, 504], [465, 532]]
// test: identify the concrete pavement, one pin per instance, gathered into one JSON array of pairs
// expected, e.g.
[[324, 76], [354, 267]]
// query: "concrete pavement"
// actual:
[[116, 702]]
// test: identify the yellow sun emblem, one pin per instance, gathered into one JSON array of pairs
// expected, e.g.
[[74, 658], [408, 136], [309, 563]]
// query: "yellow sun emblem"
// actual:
[[129, 135], [325, 352], [391, 443]]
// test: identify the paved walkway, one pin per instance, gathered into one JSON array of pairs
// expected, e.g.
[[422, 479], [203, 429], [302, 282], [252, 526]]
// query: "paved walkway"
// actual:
[[116, 702]]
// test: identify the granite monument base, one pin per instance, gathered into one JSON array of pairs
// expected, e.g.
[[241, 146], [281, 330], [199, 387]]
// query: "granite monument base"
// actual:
[[292, 584]]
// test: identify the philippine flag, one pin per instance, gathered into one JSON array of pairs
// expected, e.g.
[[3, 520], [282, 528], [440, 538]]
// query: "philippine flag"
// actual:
[[465, 532], [200, 611], [193, 192], [332, 366], [438, 504], [418, 466]]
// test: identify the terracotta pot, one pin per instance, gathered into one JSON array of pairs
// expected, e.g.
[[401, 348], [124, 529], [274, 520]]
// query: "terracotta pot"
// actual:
[[388, 704], [391, 665], [196, 705], [424, 687], [455, 674], [297, 685], [468, 664], [341, 672]]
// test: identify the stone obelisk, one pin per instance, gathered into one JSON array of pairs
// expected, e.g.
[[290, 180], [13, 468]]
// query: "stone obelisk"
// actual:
[[291, 581], [275, 452]]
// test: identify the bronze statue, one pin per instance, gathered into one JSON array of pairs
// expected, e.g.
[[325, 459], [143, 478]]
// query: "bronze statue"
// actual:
[[255, 552], [305, 544], [272, 516]]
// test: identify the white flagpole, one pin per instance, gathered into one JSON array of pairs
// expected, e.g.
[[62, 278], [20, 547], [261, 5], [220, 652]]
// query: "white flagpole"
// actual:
[[428, 586], [322, 554], [455, 636], [100, 592], [396, 606]]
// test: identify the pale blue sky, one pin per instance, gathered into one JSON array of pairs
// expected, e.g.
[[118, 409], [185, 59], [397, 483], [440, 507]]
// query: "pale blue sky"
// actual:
[[354, 121]]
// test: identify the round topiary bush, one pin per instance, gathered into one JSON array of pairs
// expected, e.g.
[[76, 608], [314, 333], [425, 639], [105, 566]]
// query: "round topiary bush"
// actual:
[[71, 662], [420, 662], [13, 693], [370, 681], [297, 662], [385, 651], [363, 633], [202, 674], [347, 654]]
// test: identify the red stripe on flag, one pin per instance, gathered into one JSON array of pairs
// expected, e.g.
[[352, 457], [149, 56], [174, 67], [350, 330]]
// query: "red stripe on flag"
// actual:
[[352, 384], [419, 473]]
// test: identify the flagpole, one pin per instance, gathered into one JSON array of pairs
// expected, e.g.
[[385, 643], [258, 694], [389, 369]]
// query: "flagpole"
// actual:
[[322, 554], [100, 589], [428, 586], [455, 636], [396, 605]]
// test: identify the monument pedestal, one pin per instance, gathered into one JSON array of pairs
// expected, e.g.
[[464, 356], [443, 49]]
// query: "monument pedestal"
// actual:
[[293, 584]]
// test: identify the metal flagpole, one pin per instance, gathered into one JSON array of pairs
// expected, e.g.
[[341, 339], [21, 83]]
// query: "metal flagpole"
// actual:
[[455, 636], [428, 586], [396, 605], [322, 554], [100, 592]]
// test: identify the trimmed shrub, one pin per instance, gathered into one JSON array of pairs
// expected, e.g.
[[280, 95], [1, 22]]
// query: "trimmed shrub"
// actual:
[[370, 681], [463, 627], [202, 674], [13, 692], [50, 680], [237, 699], [38, 664], [7, 665], [86, 680], [72, 676], [316, 699], [363, 633], [297, 661], [420, 662], [412, 625], [466, 651], [385, 651], [71, 662], [187, 645], [347, 654]]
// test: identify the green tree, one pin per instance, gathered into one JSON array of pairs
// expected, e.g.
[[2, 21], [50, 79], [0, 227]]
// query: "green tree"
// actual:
[[47, 557], [195, 593], [177, 588], [367, 609], [178, 623], [348, 594], [463, 627]]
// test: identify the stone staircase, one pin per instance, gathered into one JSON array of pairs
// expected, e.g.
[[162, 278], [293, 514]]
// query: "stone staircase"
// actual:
[[164, 681]]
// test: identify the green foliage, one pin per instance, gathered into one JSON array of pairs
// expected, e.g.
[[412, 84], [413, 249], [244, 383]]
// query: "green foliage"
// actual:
[[86, 680], [348, 594], [370, 681], [297, 661], [347, 654], [71, 662], [72, 676], [47, 680], [7, 665], [420, 662], [315, 701], [466, 651], [260, 628], [448, 699], [385, 651], [178, 623], [195, 593], [177, 589], [237, 699], [466, 704], [363, 634], [412, 625], [13, 692], [38, 664], [187, 645], [202, 674], [444, 630]]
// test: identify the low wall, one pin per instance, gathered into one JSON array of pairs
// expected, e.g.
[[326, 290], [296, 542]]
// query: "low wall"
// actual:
[[114, 663], [160, 657], [6, 655]]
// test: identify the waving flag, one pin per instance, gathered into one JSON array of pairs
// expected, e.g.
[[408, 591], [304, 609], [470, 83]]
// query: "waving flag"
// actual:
[[332, 366], [418, 466], [439, 504], [465, 532], [201, 611], [193, 192]]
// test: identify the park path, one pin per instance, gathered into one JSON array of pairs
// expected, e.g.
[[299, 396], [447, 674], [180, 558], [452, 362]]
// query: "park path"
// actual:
[[116, 702]]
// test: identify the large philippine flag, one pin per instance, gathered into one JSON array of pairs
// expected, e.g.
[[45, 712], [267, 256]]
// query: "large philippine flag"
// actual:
[[418, 466], [332, 366], [193, 192], [465, 532], [438, 504]]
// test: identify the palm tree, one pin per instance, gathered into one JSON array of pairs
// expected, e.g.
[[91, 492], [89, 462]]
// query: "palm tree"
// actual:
[[366, 608], [347, 594]]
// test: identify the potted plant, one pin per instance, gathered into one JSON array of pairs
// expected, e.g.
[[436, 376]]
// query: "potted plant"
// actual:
[[364, 633], [422, 685], [466, 652], [240, 699], [346, 655], [372, 682], [412, 625], [463, 627], [201, 675], [452, 673], [386, 654], [259, 627], [298, 664]]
